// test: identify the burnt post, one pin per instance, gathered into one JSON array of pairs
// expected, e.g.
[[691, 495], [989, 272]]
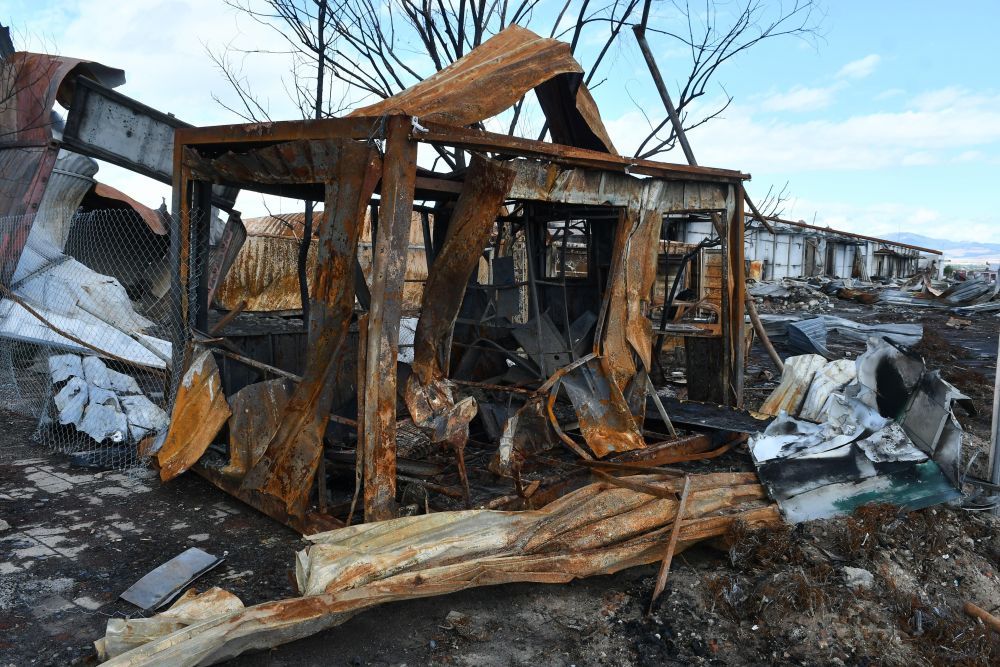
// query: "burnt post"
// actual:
[[378, 441]]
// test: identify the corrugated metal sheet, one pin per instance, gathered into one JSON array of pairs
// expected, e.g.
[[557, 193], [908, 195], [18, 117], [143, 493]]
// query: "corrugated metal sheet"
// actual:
[[494, 76], [265, 272], [30, 84]]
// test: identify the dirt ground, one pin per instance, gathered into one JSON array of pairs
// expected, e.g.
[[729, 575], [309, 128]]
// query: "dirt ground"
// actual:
[[878, 588]]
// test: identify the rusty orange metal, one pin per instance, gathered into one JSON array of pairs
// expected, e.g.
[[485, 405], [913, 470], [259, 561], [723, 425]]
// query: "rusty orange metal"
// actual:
[[30, 85], [200, 410], [492, 78], [287, 467]]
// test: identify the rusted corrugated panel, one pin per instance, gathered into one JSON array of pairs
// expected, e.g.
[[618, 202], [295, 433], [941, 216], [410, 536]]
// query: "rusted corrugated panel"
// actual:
[[265, 275], [30, 85], [795, 382], [265, 272], [492, 78], [599, 529], [151, 217]]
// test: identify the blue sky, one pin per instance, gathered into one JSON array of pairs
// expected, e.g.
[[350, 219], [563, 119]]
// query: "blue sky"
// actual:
[[890, 122]]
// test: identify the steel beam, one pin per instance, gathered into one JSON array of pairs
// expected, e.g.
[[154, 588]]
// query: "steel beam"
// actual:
[[388, 272], [109, 126]]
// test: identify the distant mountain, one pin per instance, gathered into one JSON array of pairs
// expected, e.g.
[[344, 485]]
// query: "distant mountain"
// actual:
[[968, 251]]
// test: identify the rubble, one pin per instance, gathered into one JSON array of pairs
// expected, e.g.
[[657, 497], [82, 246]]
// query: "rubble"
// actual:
[[470, 395], [597, 529], [883, 433]]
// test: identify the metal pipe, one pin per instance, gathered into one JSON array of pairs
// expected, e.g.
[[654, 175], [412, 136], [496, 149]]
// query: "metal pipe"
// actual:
[[758, 328]]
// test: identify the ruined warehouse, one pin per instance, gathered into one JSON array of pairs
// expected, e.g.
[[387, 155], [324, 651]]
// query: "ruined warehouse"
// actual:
[[795, 249], [510, 350]]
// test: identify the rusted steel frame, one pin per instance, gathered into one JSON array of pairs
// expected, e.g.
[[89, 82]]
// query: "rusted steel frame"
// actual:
[[675, 531], [201, 203], [726, 306], [486, 185], [308, 524], [271, 132], [288, 466], [449, 189], [378, 441], [480, 140], [737, 297]]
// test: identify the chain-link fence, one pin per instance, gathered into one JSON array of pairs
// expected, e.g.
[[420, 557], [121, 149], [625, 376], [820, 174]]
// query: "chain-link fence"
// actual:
[[89, 311]]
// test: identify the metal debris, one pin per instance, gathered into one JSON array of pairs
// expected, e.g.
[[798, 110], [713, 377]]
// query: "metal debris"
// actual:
[[163, 584]]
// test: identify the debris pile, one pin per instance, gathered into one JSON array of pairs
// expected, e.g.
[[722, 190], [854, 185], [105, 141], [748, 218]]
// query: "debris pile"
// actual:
[[789, 294], [597, 529], [101, 402], [879, 429]]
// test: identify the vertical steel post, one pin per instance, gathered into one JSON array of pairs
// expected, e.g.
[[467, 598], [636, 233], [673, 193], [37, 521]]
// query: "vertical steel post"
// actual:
[[389, 253]]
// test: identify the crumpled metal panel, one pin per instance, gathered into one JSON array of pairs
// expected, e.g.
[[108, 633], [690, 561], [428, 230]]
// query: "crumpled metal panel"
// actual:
[[150, 216], [287, 468], [599, 529], [200, 410], [493, 77], [628, 330], [257, 410], [30, 85], [606, 423]]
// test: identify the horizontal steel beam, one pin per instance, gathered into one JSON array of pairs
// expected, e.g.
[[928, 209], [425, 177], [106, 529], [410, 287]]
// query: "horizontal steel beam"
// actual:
[[109, 126]]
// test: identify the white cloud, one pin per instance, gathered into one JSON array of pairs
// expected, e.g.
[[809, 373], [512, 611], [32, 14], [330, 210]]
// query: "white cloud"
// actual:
[[890, 93], [801, 98], [749, 138], [884, 218], [859, 69]]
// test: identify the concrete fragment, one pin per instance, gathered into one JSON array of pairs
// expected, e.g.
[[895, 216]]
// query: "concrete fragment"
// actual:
[[857, 577]]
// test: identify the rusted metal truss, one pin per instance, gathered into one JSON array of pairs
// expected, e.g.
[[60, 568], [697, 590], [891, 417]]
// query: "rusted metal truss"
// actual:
[[517, 378]]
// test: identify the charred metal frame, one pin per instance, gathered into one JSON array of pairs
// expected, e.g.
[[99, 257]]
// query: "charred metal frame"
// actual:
[[545, 173]]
